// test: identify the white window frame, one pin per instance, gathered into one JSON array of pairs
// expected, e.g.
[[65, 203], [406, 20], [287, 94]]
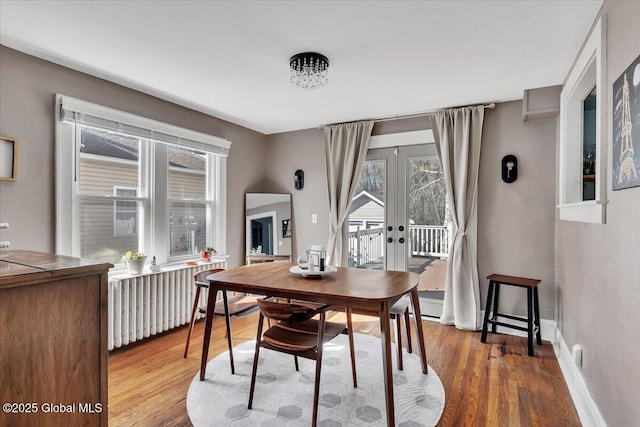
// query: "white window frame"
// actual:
[[589, 71], [153, 232]]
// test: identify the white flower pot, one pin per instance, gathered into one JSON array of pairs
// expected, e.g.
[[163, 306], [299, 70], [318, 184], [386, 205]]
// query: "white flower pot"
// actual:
[[135, 266]]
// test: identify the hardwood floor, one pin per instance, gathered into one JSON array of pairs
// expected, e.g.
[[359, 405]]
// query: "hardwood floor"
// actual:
[[492, 384]]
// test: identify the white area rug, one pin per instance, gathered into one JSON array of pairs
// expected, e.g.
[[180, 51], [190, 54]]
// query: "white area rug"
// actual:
[[283, 397]]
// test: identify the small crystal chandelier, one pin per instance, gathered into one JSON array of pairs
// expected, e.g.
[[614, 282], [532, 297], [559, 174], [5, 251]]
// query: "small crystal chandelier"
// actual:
[[309, 70]]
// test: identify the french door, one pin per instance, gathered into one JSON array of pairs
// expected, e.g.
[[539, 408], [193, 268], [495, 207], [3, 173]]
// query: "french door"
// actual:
[[398, 218]]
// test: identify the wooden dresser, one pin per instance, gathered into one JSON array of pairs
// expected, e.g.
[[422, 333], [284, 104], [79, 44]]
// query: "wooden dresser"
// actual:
[[53, 340]]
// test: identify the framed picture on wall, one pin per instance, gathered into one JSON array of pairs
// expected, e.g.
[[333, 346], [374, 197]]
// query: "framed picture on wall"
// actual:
[[8, 158], [286, 228], [626, 128]]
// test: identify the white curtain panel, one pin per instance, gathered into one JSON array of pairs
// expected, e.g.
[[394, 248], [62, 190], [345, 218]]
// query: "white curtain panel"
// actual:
[[458, 135], [346, 147]]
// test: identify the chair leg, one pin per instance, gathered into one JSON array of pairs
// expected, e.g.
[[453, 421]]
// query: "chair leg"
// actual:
[[196, 299], [316, 388], [227, 319], [295, 360], [352, 347], [256, 355], [407, 322], [399, 341]]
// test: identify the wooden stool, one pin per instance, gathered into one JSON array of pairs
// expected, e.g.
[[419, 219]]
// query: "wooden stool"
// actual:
[[533, 309]]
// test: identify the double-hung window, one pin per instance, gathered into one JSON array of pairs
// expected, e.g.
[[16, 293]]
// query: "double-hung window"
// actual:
[[127, 183], [582, 163]]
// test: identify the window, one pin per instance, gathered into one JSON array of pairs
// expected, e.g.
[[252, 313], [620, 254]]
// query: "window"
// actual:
[[129, 183], [582, 192], [589, 146], [187, 201]]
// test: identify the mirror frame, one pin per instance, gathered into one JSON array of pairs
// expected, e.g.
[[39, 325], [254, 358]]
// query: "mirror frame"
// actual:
[[276, 225], [8, 158]]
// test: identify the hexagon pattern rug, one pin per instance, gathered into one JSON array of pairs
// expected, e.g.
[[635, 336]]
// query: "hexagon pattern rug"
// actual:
[[284, 397]]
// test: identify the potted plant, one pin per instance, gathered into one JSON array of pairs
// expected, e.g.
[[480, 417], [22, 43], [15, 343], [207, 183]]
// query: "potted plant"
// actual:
[[135, 261], [206, 254]]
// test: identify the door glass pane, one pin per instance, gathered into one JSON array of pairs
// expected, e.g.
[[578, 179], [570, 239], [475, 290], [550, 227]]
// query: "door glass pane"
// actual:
[[366, 218], [429, 221]]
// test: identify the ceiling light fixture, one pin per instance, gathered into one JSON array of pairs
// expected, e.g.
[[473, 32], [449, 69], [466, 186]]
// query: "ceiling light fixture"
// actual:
[[309, 70]]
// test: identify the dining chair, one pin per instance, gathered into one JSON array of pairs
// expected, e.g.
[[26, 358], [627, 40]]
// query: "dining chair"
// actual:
[[234, 305], [398, 310], [298, 333]]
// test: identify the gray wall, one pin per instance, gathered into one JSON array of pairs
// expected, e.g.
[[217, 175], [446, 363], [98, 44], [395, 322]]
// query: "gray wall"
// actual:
[[598, 268], [27, 88], [516, 221], [287, 153]]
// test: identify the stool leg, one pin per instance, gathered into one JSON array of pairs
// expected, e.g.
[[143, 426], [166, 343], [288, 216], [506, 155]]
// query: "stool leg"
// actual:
[[196, 299], [487, 309], [536, 311], [530, 320], [407, 323], [496, 297]]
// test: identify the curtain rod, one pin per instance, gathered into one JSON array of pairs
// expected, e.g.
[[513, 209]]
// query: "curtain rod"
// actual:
[[409, 116]]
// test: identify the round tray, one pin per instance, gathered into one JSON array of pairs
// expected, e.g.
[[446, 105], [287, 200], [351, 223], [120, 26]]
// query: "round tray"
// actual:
[[329, 269]]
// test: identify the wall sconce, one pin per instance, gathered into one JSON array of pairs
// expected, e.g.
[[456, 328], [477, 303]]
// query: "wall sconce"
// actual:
[[298, 179], [509, 168]]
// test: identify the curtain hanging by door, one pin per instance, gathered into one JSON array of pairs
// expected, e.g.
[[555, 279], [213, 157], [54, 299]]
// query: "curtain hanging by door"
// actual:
[[458, 136], [346, 147]]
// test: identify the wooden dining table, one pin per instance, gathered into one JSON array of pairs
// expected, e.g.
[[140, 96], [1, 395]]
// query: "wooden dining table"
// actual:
[[362, 290]]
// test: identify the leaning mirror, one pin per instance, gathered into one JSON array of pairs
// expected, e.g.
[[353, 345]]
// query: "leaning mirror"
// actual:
[[268, 224]]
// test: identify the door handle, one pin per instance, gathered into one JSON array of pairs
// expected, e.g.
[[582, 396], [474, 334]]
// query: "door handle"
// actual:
[[389, 239], [401, 240], [389, 228], [401, 228]]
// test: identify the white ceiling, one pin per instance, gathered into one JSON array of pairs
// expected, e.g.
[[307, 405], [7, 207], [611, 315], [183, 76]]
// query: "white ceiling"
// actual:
[[230, 59]]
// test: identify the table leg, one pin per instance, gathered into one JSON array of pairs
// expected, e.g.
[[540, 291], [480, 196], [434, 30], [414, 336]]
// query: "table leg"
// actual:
[[211, 307], [385, 332], [227, 318], [351, 347], [415, 301]]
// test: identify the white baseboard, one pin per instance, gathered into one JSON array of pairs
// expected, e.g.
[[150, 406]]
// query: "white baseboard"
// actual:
[[587, 409], [585, 405]]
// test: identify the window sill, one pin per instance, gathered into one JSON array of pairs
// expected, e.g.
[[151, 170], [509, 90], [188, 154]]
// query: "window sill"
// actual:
[[591, 212], [122, 273]]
